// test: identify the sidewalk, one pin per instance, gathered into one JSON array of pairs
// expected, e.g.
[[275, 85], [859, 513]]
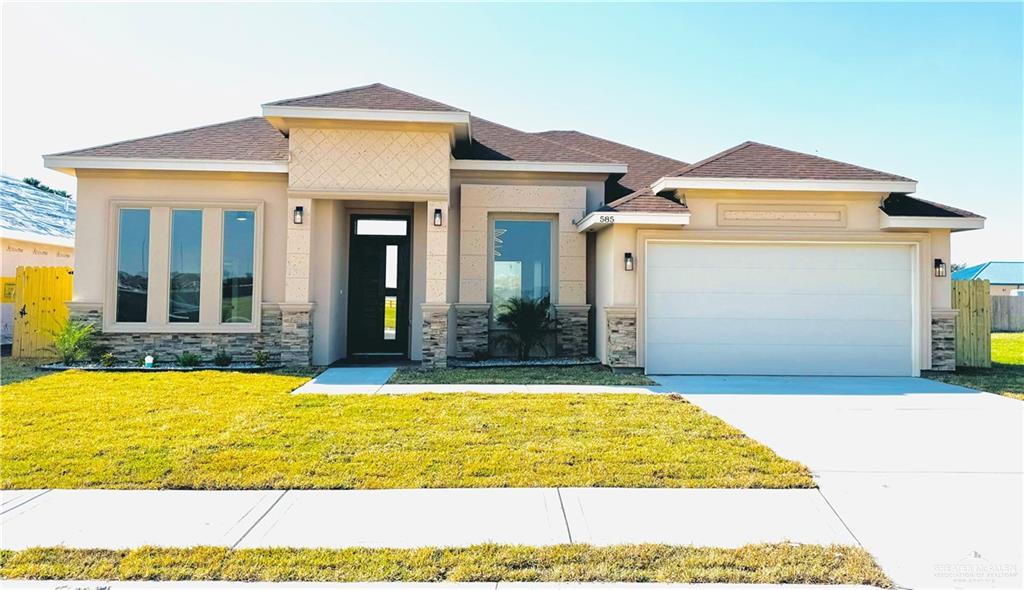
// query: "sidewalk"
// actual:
[[120, 519]]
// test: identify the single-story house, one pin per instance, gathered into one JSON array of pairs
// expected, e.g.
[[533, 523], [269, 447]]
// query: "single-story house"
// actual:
[[1004, 277], [297, 231], [37, 228]]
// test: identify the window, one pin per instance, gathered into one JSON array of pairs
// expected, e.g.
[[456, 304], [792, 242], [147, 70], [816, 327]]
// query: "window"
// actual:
[[133, 265], [522, 260], [237, 266], [185, 265], [381, 227]]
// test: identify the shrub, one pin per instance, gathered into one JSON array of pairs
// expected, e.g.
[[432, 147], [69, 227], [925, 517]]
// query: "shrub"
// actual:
[[222, 358], [107, 359], [72, 341], [528, 321], [262, 358], [189, 359]]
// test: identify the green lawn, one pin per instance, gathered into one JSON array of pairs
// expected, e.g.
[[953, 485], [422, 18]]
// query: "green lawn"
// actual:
[[222, 430], [574, 375], [1006, 377], [766, 564]]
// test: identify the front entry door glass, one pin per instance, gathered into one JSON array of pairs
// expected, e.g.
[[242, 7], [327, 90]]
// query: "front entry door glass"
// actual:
[[378, 316]]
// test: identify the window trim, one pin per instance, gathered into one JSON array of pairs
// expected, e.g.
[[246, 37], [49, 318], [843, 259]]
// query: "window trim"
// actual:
[[158, 302], [552, 219]]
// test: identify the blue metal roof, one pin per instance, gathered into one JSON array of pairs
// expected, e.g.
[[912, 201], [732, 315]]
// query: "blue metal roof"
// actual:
[[996, 273], [25, 208]]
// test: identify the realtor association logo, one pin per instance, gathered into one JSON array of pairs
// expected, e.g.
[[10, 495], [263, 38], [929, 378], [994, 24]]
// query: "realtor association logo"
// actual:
[[974, 568]]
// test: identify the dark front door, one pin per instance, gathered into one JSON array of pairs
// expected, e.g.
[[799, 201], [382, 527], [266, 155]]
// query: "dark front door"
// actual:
[[378, 285]]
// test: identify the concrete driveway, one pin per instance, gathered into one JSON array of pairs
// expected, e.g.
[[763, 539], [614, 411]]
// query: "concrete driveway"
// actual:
[[927, 477]]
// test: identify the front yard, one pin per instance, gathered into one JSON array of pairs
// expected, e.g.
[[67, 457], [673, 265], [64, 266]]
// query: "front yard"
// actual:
[[1006, 377], [217, 430]]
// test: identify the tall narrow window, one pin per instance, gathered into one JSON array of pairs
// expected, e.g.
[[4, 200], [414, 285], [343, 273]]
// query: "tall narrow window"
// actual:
[[132, 265], [186, 265], [237, 275], [522, 260]]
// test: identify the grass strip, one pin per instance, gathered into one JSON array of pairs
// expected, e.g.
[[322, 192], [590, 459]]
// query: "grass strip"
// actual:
[[576, 375], [765, 564]]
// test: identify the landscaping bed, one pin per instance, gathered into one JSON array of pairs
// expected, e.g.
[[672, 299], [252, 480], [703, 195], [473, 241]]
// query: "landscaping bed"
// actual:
[[157, 368], [218, 430], [764, 564], [581, 374]]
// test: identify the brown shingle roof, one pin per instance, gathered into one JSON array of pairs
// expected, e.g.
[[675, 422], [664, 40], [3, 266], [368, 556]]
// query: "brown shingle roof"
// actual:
[[645, 201], [245, 139], [643, 167], [373, 96], [492, 141], [757, 160], [903, 205]]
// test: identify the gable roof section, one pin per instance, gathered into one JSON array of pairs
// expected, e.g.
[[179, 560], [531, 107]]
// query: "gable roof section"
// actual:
[[644, 167], [492, 141], [757, 160], [996, 273], [903, 205], [28, 213], [252, 138], [645, 201], [372, 97]]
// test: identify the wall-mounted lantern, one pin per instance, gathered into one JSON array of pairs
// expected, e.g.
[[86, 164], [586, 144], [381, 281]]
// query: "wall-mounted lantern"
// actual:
[[297, 216], [629, 261], [940, 268], [437, 218]]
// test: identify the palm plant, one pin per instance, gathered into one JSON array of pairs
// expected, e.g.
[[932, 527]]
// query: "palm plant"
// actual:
[[72, 341], [528, 322]]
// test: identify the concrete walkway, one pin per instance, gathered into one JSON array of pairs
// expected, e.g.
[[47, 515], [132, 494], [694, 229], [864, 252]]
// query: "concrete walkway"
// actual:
[[118, 519]]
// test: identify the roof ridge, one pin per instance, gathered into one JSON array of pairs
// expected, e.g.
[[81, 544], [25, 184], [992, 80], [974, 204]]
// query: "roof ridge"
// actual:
[[712, 158], [165, 134], [618, 143], [364, 87], [546, 140]]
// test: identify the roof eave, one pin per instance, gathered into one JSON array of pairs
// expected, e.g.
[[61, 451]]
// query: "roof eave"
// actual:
[[281, 116], [923, 222], [783, 184], [599, 220], [69, 164], [537, 166]]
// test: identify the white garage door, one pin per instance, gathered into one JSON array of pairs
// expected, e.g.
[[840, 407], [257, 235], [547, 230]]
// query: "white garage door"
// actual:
[[779, 309]]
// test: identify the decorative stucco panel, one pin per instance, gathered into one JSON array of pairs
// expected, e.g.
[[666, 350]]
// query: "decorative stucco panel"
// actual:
[[369, 161]]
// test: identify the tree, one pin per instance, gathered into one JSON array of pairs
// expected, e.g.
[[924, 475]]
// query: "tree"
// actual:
[[35, 182]]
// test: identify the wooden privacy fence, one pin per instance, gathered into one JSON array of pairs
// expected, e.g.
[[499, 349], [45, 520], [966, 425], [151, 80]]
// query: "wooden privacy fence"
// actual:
[[1007, 313], [40, 297], [973, 323]]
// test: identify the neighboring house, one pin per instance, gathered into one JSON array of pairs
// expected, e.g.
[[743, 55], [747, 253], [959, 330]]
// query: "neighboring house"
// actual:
[[1004, 277], [37, 228], [302, 231]]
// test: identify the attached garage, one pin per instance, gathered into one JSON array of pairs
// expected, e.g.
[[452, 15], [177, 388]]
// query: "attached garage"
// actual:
[[779, 308]]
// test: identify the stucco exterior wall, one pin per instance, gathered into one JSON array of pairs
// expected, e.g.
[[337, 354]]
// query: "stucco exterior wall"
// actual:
[[370, 161], [481, 202], [97, 189], [787, 216]]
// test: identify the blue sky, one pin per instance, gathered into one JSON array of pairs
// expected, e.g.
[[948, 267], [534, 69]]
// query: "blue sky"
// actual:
[[930, 91]]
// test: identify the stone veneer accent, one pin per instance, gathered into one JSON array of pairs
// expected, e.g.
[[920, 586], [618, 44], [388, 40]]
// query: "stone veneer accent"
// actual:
[[435, 335], [943, 341], [621, 343], [472, 323], [286, 334], [573, 329]]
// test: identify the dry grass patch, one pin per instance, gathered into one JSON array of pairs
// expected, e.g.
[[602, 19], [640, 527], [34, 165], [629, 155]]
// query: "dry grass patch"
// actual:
[[765, 564], [216, 430]]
